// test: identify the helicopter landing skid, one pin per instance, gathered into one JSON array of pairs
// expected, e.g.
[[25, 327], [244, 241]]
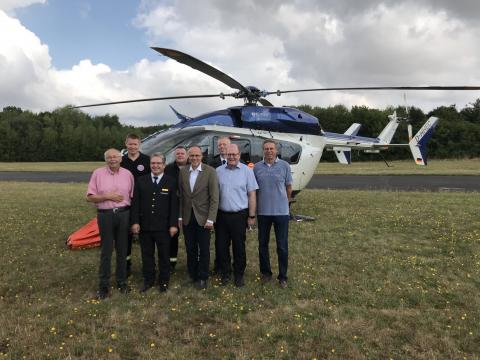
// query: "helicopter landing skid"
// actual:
[[299, 218]]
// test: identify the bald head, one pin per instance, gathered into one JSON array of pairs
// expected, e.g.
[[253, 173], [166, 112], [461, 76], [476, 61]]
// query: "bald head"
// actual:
[[233, 155]]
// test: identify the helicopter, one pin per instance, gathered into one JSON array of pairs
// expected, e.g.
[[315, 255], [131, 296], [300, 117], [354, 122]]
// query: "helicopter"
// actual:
[[299, 136]]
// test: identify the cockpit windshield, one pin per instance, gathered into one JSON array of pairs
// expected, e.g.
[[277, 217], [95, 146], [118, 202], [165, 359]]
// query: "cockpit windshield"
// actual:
[[165, 142]]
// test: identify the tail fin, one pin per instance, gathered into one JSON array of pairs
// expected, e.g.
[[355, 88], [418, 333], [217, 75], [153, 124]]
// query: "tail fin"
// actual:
[[181, 117], [344, 154], [387, 133], [418, 145], [353, 129]]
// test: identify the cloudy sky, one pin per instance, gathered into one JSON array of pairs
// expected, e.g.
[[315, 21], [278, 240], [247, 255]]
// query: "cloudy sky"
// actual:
[[59, 52]]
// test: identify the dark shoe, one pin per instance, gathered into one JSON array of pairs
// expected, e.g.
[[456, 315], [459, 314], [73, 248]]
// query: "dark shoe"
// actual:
[[283, 283], [239, 282], [265, 278], [202, 284], [102, 294], [163, 287], [146, 287], [224, 280], [124, 289]]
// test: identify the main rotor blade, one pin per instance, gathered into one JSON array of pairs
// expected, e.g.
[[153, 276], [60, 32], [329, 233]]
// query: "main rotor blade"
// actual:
[[201, 66], [155, 99], [265, 102], [278, 92]]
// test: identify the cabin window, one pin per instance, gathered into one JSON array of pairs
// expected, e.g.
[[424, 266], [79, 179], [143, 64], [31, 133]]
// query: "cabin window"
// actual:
[[288, 151]]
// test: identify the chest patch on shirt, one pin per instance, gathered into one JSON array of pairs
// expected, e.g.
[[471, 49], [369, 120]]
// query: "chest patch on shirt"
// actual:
[[140, 167]]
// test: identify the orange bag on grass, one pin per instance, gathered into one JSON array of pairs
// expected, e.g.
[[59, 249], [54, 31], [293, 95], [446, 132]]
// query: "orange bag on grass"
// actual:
[[86, 237]]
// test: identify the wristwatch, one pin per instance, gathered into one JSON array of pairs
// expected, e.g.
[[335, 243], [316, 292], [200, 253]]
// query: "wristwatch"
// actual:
[[251, 217]]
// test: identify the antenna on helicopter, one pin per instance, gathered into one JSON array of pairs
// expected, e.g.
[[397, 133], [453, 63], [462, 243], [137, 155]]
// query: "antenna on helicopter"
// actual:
[[407, 119]]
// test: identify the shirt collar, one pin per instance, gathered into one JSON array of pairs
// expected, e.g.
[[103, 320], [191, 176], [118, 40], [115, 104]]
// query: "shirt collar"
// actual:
[[159, 176], [199, 168], [276, 160], [110, 170], [236, 166]]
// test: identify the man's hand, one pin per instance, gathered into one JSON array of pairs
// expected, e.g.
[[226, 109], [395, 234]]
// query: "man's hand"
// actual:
[[208, 225], [250, 222], [173, 230], [114, 196], [135, 228]]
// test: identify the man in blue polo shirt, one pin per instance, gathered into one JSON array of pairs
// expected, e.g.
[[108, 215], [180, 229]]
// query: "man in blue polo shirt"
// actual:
[[236, 211], [274, 179]]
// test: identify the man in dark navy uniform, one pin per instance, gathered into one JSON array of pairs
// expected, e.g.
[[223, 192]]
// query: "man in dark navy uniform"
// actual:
[[154, 216], [138, 164]]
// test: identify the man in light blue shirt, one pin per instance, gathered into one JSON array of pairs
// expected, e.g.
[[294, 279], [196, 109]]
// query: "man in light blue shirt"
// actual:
[[236, 211], [274, 179]]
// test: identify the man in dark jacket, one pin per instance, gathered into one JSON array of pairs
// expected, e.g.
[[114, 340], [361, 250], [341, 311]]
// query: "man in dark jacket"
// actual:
[[173, 170], [154, 216], [138, 164]]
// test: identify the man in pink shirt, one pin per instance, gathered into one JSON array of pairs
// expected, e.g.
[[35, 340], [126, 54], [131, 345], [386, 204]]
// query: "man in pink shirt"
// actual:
[[111, 189]]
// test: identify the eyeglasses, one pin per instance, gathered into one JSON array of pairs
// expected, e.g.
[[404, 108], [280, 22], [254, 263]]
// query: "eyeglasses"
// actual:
[[194, 155], [232, 155]]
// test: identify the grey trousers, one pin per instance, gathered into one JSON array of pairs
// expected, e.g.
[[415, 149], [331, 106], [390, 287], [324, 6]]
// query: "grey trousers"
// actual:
[[114, 229]]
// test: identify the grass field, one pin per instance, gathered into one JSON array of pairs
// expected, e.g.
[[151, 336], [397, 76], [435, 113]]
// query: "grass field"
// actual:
[[378, 275], [51, 166], [403, 167], [400, 167]]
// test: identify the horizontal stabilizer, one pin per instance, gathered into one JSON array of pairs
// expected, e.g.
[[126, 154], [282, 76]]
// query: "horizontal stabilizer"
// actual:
[[418, 145]]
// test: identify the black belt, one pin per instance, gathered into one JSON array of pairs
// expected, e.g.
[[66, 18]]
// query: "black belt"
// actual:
[[114, 210], [233, 212]]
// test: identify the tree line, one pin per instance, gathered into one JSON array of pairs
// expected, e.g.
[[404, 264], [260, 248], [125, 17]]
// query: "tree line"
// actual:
[[68, 134], [457, 134], [65, 134]]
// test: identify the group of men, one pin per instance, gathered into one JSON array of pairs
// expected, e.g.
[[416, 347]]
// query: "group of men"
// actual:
[[141, 196]]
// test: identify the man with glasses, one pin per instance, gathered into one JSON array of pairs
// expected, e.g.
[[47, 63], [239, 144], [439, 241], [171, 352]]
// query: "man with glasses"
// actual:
[[198, 189], [110, 188], [236, 211], [155, 218]]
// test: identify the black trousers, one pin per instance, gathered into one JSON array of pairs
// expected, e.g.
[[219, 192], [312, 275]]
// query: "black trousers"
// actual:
[[113, 229], [231, 229], [197, 244], [174, 247], [148, 240]]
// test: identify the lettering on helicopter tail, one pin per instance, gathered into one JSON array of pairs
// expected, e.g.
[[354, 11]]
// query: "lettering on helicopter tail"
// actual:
[[418, 145]]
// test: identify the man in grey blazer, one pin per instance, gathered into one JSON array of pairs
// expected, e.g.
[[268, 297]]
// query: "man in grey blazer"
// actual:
[[198, 189]]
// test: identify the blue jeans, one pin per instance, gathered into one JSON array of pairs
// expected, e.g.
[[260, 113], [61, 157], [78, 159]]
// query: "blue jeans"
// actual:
[[280, 226]]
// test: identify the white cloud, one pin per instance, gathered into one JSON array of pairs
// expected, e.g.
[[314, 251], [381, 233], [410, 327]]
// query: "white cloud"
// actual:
[[272, 45], [10, 5]]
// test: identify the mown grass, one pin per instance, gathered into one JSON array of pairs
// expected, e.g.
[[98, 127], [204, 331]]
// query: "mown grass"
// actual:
[[51, 166], [377, 275], [399, 167], [402, 167]]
